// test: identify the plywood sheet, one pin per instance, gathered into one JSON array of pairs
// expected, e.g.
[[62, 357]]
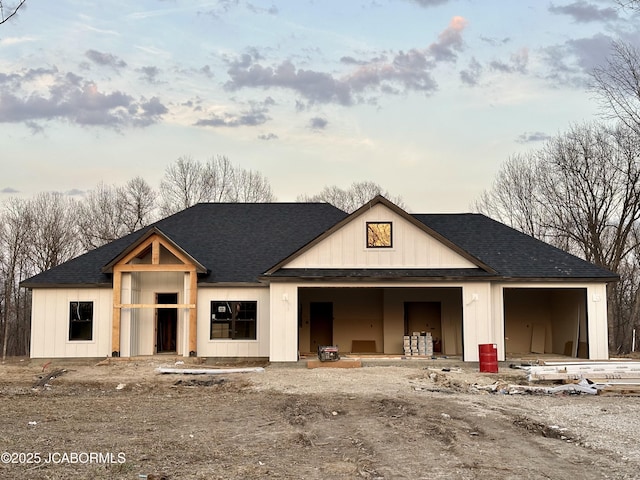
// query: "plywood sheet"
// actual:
[[537, 338], [363, 346]]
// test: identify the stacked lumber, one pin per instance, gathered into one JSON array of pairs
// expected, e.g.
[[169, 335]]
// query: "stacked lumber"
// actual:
[[585, 370], [603, 378]]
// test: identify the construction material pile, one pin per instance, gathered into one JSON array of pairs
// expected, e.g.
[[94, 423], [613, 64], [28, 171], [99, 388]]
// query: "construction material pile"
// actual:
[[418, 344]]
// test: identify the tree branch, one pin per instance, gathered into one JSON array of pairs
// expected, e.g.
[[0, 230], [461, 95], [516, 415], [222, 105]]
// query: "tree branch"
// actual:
[[13, 11]]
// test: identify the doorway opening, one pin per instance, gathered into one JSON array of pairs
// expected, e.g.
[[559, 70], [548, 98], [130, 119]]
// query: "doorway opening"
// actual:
[[321, 324], [166, 323], [424, 317]]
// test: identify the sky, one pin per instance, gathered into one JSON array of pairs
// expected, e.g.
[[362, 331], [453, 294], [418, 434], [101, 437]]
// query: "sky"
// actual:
[[427, 98]]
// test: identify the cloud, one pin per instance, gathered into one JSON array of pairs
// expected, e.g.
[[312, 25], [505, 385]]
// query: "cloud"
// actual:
[[105, 59], [152, 108], [590, 52], [16, 40], [72, 98], [318, 123], [402, 72], [531, 137], [571, 62], [471, 76], [74, 192], [149, 74], [272, 10], [517, 63], [495, 42], [268, 136], [254, 116], [9, 190], [35, 127], [585, 12], [430, 3], [449, 41], [314, 86]]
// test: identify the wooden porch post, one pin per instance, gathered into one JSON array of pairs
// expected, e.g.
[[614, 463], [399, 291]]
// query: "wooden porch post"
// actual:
[[115, 331], [193, 317]]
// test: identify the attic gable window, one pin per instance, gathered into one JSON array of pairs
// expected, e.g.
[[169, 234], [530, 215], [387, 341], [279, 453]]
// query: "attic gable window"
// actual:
[[379, 235]]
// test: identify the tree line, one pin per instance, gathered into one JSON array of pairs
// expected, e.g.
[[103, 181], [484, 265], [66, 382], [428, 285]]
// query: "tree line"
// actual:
[[50, 228], [581, 190]]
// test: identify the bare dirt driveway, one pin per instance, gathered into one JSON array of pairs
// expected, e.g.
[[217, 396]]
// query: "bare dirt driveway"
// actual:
[[409, 421]]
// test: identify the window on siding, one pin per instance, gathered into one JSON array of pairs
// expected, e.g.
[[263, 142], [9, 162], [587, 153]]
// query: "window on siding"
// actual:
[[81, 321], [233, 320], [379, 235]]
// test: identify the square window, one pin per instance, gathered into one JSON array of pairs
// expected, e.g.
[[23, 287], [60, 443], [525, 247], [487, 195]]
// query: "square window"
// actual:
[[234, 320], [81, 321], [379, 235]]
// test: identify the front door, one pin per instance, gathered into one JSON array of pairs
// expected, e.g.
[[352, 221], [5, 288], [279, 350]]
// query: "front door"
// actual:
[[321, 324], [166, 323]]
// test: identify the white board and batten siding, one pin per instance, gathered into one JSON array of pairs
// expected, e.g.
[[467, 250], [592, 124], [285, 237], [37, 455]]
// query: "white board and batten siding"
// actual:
[[208, 347], [411, 247], [50, 323]]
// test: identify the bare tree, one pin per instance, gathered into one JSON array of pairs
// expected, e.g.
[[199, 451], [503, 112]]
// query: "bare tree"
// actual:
[[251, 187], [100, 217], [15, 227], [515, 197], [631, 4], [352, 198], [187, 182], [219, 176], [9, 9], [617, 85], [53, 237], [593, 194], [138, 203]]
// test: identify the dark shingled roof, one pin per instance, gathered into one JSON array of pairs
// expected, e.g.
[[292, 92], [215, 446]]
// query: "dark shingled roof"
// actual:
[[236, 242], [512, 254], [239, 242]]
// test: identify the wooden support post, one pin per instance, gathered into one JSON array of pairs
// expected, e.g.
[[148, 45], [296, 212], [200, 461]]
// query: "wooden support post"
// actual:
[[115, 330], [193, 314], [155, 252]]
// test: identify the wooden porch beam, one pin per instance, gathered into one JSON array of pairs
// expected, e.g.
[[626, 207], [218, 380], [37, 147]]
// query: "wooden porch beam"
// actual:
[[155, 305], [147, 267]]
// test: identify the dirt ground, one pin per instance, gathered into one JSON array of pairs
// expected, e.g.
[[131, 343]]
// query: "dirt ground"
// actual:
[[415, 420]]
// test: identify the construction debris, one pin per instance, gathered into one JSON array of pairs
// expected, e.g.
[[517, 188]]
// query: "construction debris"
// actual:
[[581, 370], [44, 380], [583, 386], [601, 378], [209, 371]]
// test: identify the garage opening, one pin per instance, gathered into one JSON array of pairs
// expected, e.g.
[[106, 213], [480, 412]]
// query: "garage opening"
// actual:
[[374, 320], [546, 320]]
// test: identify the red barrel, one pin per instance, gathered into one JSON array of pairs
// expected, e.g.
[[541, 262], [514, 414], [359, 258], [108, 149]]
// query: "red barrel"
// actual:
[[488, 357]]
